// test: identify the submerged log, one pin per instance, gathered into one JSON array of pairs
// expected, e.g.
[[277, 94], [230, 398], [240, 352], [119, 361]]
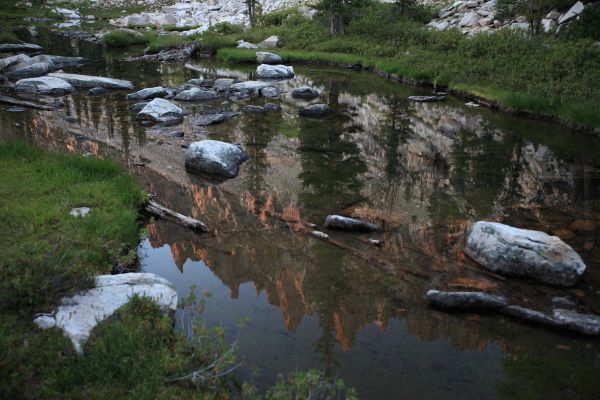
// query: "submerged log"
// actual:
[[163, 212], [22, 103]]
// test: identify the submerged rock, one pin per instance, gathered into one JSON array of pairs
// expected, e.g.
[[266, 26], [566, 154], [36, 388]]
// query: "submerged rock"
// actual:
[[272, 107], [97, 91], [426, 99], [215, 159], [212, 119], [250, 109], [148, 93], [79, 314], [315, 110], [161, 110], [196, 94], [524, 253], [266, 71], [476, 301], [264, 57], [305, 92], [88, 81], [44, 85], [137, 107], [348, 224]]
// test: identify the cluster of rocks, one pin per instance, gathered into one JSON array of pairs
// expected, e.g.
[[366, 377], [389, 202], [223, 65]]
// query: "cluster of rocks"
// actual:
[[22, 65], [523, 253], [474, 16], [199, 16]]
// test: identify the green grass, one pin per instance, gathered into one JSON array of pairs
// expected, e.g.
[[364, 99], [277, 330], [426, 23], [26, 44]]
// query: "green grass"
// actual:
[[175, 28], [159, 43], [123, 38], [543, 75]]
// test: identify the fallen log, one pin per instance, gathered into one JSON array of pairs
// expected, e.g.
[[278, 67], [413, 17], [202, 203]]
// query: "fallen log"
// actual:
[[163, 212], [22, 103]]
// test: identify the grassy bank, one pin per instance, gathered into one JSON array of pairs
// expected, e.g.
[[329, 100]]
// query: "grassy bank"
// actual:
[[46, 254], [544, 75]]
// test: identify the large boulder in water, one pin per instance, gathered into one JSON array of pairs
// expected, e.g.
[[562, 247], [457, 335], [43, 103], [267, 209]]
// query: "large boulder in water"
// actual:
[[44, 85], [26, 71], [523, 253], [88, 81], [196, 94], [161, 110], [214, 159], [348, 224], [148, 93], [266, 71], [79, 314]]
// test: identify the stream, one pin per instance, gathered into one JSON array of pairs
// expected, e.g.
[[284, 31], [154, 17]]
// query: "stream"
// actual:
[[424, 171]]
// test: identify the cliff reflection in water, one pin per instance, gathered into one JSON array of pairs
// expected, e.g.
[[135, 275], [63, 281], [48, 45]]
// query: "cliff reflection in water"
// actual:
[[424, 172]]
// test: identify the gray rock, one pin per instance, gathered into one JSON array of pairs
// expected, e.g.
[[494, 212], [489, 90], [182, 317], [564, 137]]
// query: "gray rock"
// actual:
[[148, 93], [161, 110], [524, 253], [80, 212], [97, 91], [272, 107], [574, 11], [348, 224], [251, 109], [563, 301], [319, 235], [263, 57], [549, 25], [315, 110], [66, 13], [426, 99], [88, 81], [469, 19], [196, 94], [137, 107], [58, 62], [223, 84], [305, 92], [212, 119], [205, 83], [588, 324], [35, 69], [16, 47], [13, 60], [269, 43], [520, 25], [246, 45], [475, 301], [266, 71], [270, 91], [215, 159], [44, 85], [553, 15], [136, 20], [78, 315], [250, 85], [528, 315]]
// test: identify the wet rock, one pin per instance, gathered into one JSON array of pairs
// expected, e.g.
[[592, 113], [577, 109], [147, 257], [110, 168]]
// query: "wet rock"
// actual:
[[315, 110], [305, 92], [272, 107], [80, 212], [137, 107], [223, 84], [97, 91], [205, 83], [267, 71], [348, 224], [563, 301], [588, 324], [88, 81], [35, 69], [58, 62], [44, 85], [196, 94], [19, 47], [528, 315], [78, 315], [17, 109], [524, 253], [250, 109], [264, 57], [475, 301], [270, 91], [426, 99], [319, 235], [215, 159], [250, 85], [176, 134], [269, 43], [13, 60], [161, 110], [148, 93], [212, 119]]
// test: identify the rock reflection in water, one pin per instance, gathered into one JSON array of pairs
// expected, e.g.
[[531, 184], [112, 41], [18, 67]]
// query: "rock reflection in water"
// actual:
[[424, 172]]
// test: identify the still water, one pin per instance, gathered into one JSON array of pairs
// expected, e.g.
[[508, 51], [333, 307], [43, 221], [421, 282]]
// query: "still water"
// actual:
[[424, 172]]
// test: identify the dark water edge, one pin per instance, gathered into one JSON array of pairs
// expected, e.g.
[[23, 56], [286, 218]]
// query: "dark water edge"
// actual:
[[423, 171]]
